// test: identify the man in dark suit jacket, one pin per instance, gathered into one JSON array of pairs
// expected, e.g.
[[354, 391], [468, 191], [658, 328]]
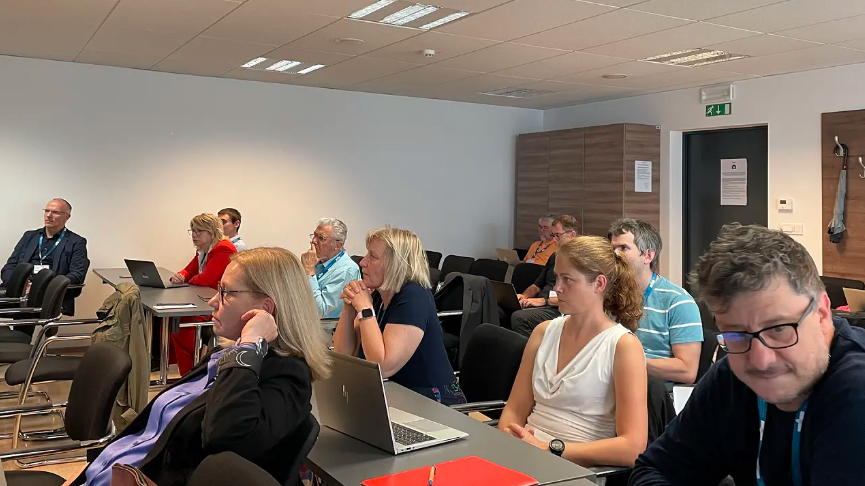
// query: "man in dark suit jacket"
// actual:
[[55, 247]]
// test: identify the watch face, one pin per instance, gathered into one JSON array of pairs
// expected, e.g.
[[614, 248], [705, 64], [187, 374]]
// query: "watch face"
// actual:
[[557, 446], [366, 313]]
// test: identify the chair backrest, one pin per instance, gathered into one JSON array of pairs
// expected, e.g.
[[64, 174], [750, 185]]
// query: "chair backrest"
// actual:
[[525, 275], [434, 258], [659, 406], [490, 364], [522, 252], [434, 277], [357, 258], [18, 280], [454, 263], [38, 286], [52, 301], [835, 288], [707, 353], [495, 270], [229, 469], [99, 376]]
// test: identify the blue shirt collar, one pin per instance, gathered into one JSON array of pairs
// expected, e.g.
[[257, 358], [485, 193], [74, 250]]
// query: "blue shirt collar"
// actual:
[[326, 263]]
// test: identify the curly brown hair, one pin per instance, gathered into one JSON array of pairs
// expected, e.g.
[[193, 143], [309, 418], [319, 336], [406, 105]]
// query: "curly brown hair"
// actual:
[[593, 256]]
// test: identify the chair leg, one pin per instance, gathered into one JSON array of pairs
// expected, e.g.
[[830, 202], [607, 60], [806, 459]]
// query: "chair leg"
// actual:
[[197, 346]]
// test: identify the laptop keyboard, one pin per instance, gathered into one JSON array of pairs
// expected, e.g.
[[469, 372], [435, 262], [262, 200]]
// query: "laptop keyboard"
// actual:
[[406, 436]]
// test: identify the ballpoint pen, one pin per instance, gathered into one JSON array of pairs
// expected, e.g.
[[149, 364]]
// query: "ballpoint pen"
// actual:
[[432, 475]]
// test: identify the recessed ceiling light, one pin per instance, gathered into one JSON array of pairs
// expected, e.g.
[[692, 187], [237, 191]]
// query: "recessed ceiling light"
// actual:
[[370, 9], [694, 57], [349, 41], [254, 62], [444, 20], [614, 76], [283, 66], [409, 14], [311, 69]]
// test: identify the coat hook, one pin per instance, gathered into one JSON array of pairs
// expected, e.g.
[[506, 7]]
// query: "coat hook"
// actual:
[[840, 149], [863, 168]]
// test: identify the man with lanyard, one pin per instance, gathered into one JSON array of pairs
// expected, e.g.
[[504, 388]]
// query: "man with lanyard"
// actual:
[[53, 246], [786, 406], [328, 266], [671, 329], [230, 219], [541, 251]]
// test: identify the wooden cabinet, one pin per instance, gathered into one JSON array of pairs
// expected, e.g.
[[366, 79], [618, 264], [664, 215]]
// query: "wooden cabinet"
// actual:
[[587, 173]]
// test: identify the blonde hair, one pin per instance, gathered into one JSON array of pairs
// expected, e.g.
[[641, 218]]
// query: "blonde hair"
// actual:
[[278, 274], [211, 224], [405, 259], [593, 256]]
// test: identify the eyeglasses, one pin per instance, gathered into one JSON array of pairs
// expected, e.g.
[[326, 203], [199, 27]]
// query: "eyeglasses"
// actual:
[[193, 232], [53, 212], [320, 238], [221, 291], [775, 337]]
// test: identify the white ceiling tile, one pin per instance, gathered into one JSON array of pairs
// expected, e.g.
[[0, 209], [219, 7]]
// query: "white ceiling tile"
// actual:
[[555, 67], [206, 56], [187, 16], [132, 61], [141, 45], [523, 17], [331, 8], [679, 77], [477, 84], [610, 27], [762, 45], [498, 57], [472, 6], [445, 45], [616, 3], [854, 44], [258, 75], [375, 36], [633, 69], [701, 9], [265, 24], [421, 76], [63, 11], [689, 36], [306, 56], [830, 32], [792, 14], [798, 60], [352, 71], [60, 41]]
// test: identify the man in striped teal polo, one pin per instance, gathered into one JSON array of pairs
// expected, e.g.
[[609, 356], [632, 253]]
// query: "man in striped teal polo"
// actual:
[[671, 329]]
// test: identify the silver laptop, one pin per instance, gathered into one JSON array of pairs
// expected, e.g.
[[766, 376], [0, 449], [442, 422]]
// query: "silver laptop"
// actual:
[[352, 401], [145, 274], [508, 255]]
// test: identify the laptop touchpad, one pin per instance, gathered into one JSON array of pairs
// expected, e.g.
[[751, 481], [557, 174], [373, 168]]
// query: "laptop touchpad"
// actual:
[[425, 425]]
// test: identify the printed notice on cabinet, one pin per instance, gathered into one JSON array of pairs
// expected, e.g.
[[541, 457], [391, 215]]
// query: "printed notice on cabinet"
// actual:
[[734, 182], [642, 176]]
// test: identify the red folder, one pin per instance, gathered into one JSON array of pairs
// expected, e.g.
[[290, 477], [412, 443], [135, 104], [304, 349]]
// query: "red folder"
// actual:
[[468, 471]]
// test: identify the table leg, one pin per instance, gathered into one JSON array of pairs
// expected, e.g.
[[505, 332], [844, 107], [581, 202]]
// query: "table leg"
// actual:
[[163, 352], [148, 330]]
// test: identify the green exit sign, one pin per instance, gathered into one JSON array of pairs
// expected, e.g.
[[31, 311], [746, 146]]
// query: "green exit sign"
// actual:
[[719, 109]]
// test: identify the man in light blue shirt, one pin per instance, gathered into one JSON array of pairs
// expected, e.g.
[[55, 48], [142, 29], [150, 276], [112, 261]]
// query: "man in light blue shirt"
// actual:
[[329, 267], [230, 218], [671, 329]]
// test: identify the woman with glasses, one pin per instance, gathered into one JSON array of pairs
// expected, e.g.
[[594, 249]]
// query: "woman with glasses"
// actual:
[[390, 318], [249, 398], [213, 252]]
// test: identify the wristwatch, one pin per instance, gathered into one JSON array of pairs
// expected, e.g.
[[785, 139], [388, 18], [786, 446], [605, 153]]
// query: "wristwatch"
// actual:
[[366, 314], [557, 447], [261, 346]]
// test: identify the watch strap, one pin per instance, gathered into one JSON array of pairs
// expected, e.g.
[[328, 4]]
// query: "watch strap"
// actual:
[[245, 355]]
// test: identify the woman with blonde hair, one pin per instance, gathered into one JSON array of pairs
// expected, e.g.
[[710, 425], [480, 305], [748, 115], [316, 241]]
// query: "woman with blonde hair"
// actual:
[[213, 252], [580, 392], [250, 398], [390, 317]]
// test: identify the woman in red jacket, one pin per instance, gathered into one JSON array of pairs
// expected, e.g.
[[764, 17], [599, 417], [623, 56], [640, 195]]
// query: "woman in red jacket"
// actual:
[[205, 269]]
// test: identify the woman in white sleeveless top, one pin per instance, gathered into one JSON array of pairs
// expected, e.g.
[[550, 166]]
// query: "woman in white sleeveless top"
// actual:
[[581, 387]]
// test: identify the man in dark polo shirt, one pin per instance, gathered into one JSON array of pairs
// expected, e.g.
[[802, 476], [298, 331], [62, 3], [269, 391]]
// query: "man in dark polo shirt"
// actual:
[[53, 246]]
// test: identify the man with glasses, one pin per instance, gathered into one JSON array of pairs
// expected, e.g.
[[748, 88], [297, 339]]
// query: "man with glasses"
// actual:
[[328, 266], [537, 302], [53, 246], [791, 390], [541, 251]]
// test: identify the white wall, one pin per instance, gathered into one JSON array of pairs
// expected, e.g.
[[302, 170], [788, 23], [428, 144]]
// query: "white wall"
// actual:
[[790, 105], [139, 153]]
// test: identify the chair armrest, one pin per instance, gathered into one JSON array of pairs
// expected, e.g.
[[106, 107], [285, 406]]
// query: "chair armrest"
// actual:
[[12, 300], [450, 313], [196, 324], [27, 322], [20, 310], [606, 471], [2, 292], [78, 322], [75, 286], [479, 406]]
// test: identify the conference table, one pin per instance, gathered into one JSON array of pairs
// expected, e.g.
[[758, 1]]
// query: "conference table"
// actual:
[[341, 460], [169, 317]]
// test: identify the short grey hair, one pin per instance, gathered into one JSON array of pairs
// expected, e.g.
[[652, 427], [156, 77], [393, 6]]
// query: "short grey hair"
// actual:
[[747, 259], [340, 230], [549, 218], [646, 236]]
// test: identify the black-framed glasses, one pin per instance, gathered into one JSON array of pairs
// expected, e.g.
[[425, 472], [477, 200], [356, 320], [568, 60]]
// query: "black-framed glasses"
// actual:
[[193, 232], [222, 291], [775, 337]]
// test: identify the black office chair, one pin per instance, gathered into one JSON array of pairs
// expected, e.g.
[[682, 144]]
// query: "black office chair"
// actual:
[[454, 263], [835, 288], [357, 258], [33, 300], [495, 270], [434, 258], [229, 469], [102, 371], [434, 277], [17, 281], [707, 353], [522, 252], [525, 275]]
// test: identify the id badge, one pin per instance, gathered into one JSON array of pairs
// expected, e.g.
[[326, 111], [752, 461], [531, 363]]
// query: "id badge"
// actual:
[[530, 260], [39, 268]]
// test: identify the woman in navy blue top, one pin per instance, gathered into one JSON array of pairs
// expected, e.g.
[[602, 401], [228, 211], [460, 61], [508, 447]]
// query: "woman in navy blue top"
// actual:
[[390, 317]]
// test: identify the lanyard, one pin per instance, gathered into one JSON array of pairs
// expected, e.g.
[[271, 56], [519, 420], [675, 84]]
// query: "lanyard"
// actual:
[[235, 239], [795, 466], [650, 287], [540, 250], [41, 257], [332, 262]]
